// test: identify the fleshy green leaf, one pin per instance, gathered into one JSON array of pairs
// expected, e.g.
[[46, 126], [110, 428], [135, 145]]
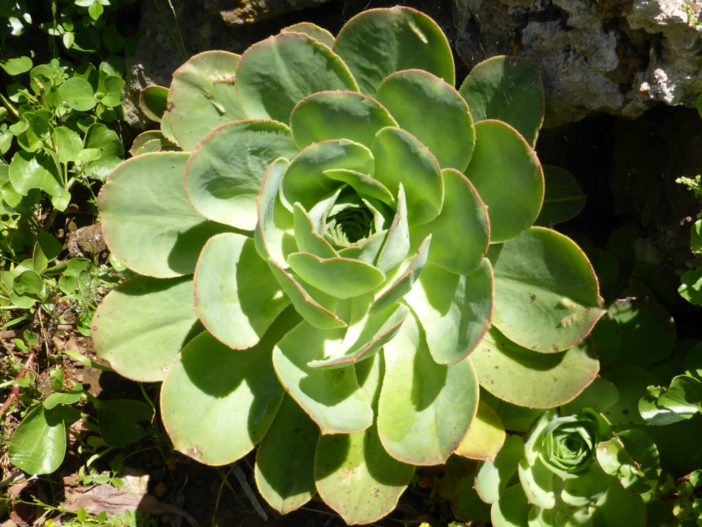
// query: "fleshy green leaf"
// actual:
[[455, 310], [508, 89], [493, 476], [432, 111], [563, 199], [619, 507], [153, 101], [363, 338], [461, 231], [277, 73], [337, 115], [546, 292], [224, 173], [364, 185], [357, 478], [402, 284], [273, 218], [401, 159], [304, 181], [396, 245], [527, 378], [308, 240], [512, 509], [16, 65], [537, 483], [118, 421], [142, 324], [330, 396], [235, 389], [424, 408], [485, 436], [378, 42], [308, 306], [285, 459], [339, 277], [235, 297], [202, 97], [691, 287], [311, 30], [508, 177], [148, 222]]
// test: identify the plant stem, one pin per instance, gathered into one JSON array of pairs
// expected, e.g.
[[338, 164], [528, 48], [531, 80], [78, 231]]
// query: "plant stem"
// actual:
[[11, 107]]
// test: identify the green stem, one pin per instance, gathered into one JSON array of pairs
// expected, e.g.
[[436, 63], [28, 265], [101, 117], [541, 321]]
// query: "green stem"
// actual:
[[179, 44], [11, 107]]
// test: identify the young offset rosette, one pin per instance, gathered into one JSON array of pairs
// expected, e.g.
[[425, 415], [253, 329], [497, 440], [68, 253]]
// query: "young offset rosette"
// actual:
[[570, 470], [339, 255]]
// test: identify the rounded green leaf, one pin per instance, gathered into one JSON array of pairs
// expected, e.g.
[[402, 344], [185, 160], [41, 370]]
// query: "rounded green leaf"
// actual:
[[400, 158], [304, 180], [508, 89], [148, 222], [363, 338], [564, 198], [306, 235], [511, 510], [277, 73], [217, 403], [78, 94], [318, 312], [38, 445], [461, 231], [153, 101], [142, 324], [378, 42], [235, 297], [274, 220], [485, 435], [618, 507], [330, 396], [337, 115], [285, 459], [424, 408], [546, 292], [432, 111], [508, 177], [357, 478], [224, 173], [202, 97], [339, 277], [364, 185], [538, 484], [110, 149], [526, 378], [455, 310], [35, 170], [311, 30], [492, 477], [118, 421]]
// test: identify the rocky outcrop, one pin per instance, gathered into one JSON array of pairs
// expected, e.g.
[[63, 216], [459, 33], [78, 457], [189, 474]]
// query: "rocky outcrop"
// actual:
[[614, 56]]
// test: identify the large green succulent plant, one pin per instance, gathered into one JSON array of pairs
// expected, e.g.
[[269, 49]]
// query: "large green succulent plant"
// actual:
[[339, 256]]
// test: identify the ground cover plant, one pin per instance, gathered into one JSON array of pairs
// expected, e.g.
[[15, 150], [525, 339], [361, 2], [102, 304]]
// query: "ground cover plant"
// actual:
[[351, 258]]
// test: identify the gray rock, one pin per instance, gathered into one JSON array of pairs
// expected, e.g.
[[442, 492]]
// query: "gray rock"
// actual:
[[619, 56], [238, 13]]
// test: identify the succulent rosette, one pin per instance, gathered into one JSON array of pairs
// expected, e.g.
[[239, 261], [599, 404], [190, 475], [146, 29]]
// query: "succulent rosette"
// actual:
[[570, 470], [337, 253]]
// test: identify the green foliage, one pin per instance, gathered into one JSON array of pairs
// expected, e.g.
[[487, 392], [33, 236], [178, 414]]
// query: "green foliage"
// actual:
[[352, 257], [570, 470]]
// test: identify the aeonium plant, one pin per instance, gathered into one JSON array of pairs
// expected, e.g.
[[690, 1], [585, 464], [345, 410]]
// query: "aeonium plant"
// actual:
[[572, 469], [340, 255]]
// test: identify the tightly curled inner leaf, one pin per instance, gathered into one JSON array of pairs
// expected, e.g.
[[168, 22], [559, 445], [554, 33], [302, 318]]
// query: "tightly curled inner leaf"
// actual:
[[338, 238]]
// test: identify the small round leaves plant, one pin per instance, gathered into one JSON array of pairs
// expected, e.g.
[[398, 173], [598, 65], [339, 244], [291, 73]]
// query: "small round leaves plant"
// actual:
[[338, 254]]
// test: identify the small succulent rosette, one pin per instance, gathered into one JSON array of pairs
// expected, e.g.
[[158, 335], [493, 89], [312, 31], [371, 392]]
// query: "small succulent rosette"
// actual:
[[570, 470], [337, 251]]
